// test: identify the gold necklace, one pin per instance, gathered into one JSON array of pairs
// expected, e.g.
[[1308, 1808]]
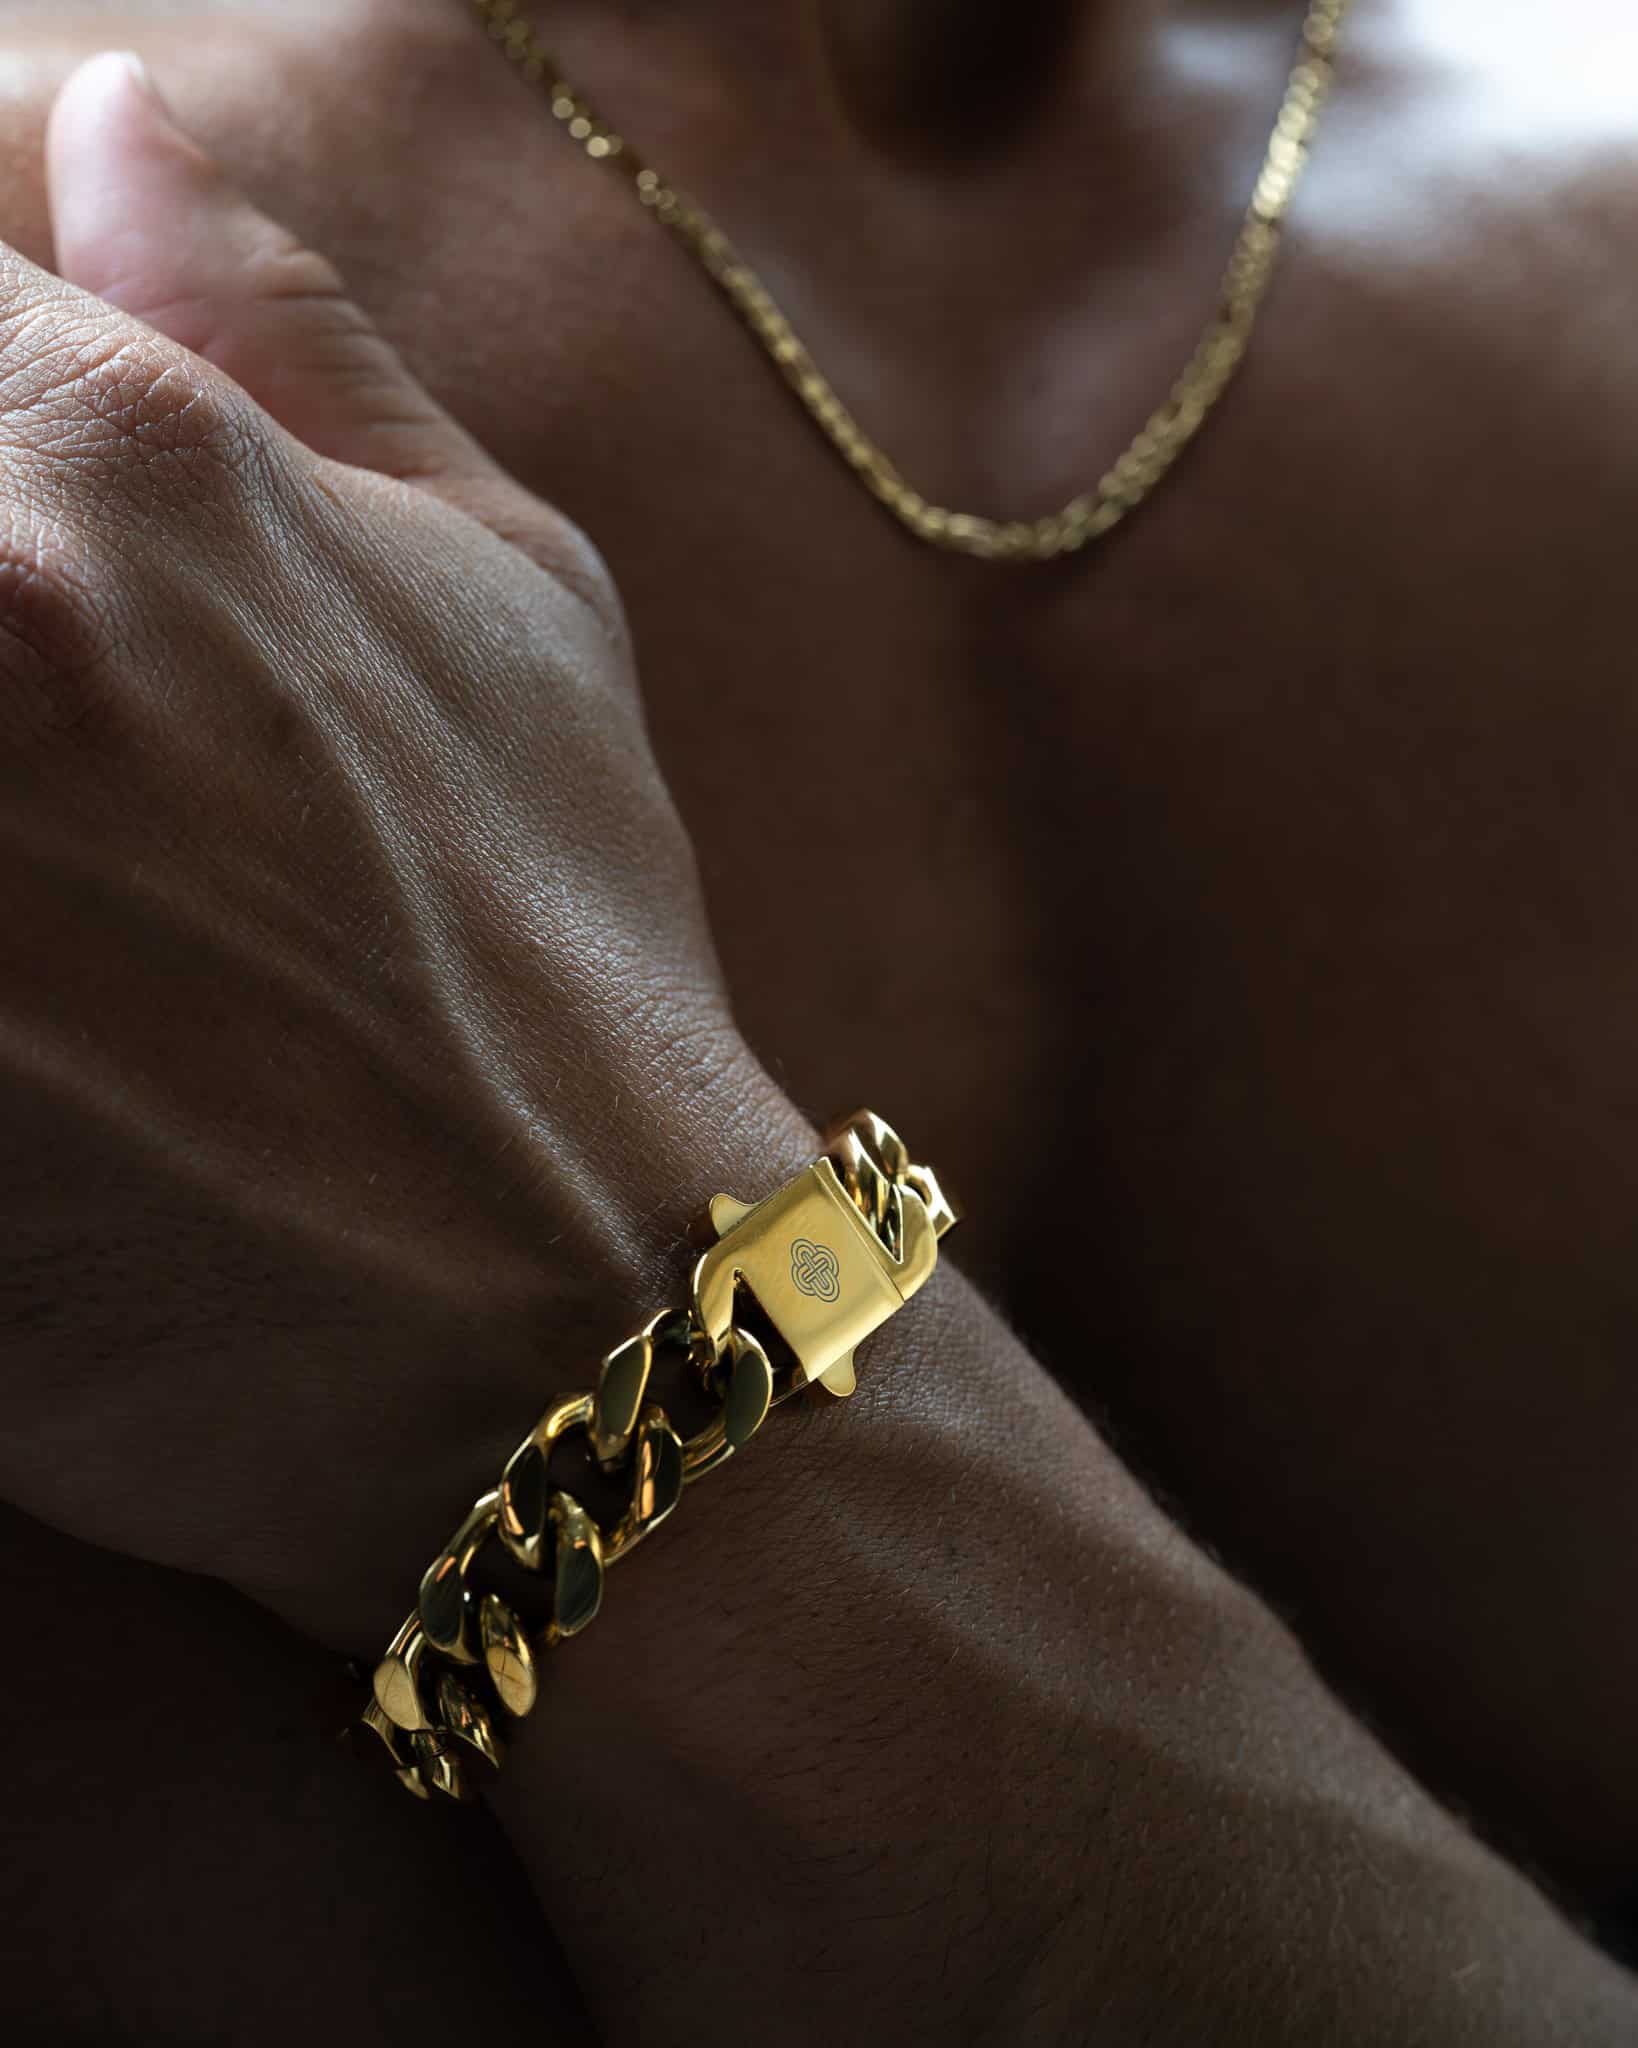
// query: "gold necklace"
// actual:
[[1157, 444]]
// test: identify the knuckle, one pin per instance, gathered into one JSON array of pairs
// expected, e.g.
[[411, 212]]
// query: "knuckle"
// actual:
[[551, 541], [58, 629], [144, 400], [106, 397], [575, 561]]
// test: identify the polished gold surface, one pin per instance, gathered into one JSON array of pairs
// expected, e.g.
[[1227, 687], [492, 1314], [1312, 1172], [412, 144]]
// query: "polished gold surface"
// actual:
[[1153, 449], [825, 1260], [656, 1480], [397, 1683], [439, 1767], [618, 1401], [446, 1606], [376, 1724], [820, 1271], [577, 1575], [525, 1491], [743, 1381], [507, 1656], [467, 1720]]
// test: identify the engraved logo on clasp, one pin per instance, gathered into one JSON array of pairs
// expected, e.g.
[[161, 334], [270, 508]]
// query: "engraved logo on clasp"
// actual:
[[815, 1270]]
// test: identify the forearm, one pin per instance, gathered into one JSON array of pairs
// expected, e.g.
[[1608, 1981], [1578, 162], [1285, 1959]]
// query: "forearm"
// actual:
[[923, 1709]]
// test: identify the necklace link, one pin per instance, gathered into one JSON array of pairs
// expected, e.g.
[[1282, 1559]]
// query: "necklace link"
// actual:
[[1157, 444]]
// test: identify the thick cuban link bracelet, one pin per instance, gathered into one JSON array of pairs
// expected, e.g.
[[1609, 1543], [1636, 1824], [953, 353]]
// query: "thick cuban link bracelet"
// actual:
[[784, 1293]]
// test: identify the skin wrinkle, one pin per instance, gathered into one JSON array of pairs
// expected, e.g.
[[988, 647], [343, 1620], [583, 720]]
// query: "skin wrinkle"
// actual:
[[111, 387]]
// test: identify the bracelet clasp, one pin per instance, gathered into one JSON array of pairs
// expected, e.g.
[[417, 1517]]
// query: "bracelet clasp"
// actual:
[[820, 1274]]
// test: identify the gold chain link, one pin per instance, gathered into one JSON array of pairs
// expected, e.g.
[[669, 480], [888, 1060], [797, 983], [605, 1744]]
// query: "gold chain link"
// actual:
[[827, 1259], [1157, 444]]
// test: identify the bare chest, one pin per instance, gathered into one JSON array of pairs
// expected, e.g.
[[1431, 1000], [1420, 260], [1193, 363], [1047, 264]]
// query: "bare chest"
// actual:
[[1222, 882]]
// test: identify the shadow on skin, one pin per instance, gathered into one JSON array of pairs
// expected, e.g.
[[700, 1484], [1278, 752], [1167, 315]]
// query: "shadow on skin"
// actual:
[[190, 1857]]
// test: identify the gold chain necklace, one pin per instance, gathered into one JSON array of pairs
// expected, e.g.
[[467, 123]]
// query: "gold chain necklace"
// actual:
[[1157, 444]]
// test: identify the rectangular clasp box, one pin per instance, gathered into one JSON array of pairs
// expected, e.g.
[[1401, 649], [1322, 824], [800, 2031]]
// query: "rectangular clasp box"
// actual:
[[818, 1271]]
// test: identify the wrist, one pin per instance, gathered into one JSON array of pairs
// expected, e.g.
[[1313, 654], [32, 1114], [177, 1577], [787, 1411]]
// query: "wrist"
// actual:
[[484, 1343], [834, 1676], [785, 1288]]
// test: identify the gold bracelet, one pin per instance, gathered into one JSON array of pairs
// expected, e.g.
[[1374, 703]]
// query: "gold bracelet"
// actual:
[[780, 1300]]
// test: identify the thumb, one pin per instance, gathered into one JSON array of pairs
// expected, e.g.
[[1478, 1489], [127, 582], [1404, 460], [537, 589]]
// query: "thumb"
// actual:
[[146, 220]]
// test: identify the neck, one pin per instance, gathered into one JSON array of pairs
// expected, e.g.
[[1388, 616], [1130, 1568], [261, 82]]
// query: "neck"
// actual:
[[932, 77], [927, 79]]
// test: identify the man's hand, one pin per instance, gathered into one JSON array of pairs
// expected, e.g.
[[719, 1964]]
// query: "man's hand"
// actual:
[[350, 935]]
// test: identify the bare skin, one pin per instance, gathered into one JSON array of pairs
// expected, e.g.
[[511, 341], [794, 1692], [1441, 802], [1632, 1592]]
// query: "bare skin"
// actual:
[[1280, 860]]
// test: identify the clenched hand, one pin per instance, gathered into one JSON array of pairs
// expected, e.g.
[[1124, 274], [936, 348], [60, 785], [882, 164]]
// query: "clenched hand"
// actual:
[[348, 925]]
